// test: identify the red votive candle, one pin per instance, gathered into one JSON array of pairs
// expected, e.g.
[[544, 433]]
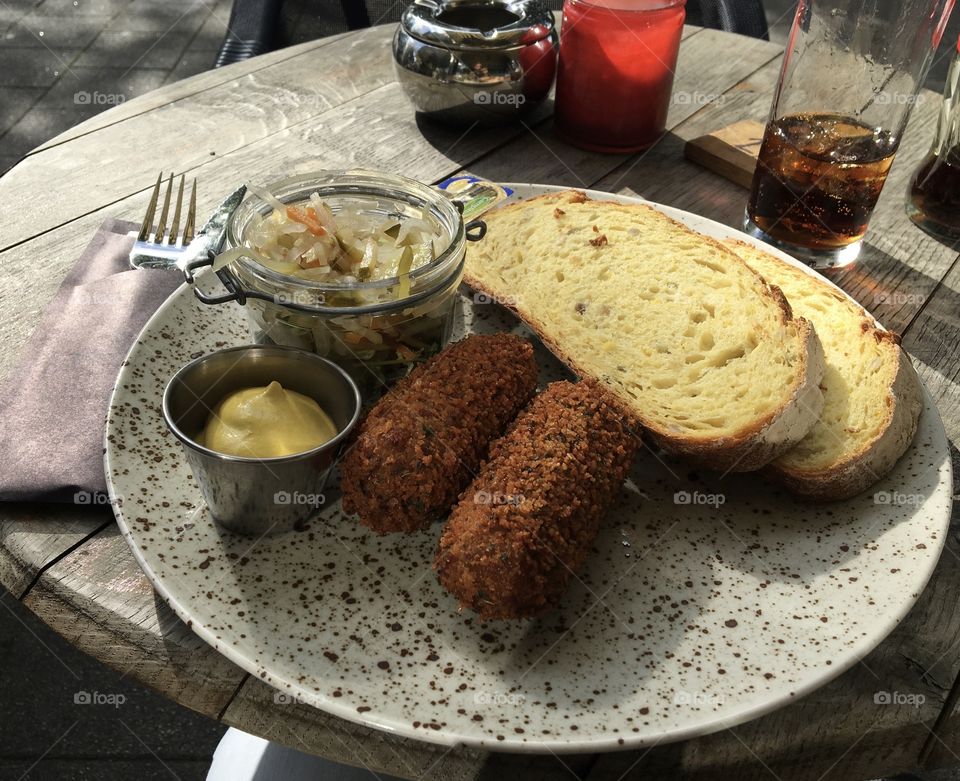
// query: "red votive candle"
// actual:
[[615, 78]]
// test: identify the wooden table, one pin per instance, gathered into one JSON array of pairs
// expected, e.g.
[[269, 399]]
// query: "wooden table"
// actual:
[[335, 103]]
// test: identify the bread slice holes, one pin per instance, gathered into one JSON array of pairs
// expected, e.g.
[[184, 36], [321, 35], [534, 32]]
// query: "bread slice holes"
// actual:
[[698, 317], [707, 342], [723, 357], [662, 383], [711, 265], [560, 276], [693, 358]]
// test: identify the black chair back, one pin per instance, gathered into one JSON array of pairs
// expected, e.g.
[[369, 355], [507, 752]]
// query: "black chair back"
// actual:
[[745, 17]]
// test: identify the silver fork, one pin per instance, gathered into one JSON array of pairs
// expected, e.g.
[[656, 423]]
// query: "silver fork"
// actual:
[[160, 248]]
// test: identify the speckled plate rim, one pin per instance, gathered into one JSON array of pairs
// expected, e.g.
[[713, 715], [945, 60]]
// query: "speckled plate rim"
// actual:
[[705, 726]]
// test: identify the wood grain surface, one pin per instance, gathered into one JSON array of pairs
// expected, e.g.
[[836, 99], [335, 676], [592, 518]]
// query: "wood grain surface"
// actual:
[[271, 116]]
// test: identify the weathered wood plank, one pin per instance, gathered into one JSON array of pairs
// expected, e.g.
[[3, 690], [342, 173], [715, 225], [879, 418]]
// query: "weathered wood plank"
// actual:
[[262, 710], [32, 536], [99, 168], [206, 116], [933, 338], [98, 599], [186, 88]]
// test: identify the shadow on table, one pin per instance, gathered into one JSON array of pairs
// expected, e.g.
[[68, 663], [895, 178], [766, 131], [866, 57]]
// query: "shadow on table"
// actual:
[[464, 143]]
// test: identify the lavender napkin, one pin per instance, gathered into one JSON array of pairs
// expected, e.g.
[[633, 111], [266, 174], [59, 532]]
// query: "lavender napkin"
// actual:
[[54, 401]]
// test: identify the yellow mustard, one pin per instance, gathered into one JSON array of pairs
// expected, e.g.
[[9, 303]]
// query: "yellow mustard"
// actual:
[[266, 423]]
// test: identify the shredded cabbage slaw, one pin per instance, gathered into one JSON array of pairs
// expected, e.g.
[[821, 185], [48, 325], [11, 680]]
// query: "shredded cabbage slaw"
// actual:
[[308, 241]]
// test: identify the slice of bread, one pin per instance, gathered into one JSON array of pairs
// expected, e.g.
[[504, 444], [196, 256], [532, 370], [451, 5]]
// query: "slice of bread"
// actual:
[[872, 395], [697, 348]]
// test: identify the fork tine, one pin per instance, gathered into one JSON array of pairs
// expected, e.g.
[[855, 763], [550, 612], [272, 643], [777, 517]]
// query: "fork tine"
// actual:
[[151, 208], [162, 227], [176, 213], [191, 216]]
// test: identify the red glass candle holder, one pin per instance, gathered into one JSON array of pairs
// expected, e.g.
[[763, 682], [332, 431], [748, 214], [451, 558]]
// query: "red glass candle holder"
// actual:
[[615, 79]]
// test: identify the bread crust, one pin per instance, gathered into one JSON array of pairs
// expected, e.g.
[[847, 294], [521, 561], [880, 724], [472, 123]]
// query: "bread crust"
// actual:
[[870, 463], [859, 470], [754, 446]]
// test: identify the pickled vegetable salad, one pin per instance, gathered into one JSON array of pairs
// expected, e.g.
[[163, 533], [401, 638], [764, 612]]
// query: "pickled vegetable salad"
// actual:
[[308, 241]]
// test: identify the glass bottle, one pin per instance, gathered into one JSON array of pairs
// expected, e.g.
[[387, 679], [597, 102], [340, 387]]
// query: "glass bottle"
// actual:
[[934, 202]]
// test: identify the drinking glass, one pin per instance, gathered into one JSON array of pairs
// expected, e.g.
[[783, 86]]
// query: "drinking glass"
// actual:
[[850, 75], [615, 77]]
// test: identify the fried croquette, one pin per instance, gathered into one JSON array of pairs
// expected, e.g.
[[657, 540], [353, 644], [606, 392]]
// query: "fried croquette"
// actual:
[[423, 442], [527, 521]]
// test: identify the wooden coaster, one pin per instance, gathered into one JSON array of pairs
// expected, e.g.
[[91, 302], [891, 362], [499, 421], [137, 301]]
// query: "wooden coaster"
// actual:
[[730, 151]]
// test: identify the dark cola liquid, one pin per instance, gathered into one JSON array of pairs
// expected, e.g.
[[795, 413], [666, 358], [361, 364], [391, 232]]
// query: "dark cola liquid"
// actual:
[[935, 194], [818, 179]]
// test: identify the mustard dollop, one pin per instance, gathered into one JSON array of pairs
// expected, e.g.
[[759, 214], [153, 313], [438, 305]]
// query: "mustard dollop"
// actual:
[[266, 422]]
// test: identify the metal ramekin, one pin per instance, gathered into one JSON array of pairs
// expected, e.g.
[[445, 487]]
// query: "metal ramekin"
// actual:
[[249, 495]]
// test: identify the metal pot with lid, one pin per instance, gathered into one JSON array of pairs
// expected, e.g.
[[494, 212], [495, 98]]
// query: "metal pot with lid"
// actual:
[[466, 61]]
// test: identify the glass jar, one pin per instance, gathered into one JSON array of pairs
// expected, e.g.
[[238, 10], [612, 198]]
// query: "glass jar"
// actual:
[[376, 330]]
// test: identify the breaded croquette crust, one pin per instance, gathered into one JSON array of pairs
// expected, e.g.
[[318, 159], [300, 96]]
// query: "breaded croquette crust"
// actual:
[[527, 522], [423, 442]]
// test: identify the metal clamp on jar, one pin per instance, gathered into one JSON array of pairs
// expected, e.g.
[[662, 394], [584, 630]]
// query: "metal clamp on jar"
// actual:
[[467, 62]]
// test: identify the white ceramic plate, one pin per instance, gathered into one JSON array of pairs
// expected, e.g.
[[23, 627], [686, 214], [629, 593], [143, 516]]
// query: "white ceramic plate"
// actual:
[[688, 617]]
